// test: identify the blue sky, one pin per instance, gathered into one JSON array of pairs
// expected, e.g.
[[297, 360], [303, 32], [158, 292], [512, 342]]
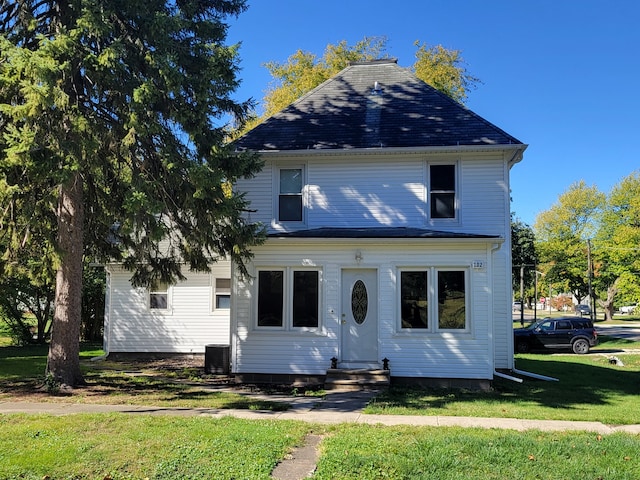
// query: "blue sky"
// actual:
[[560, 75]]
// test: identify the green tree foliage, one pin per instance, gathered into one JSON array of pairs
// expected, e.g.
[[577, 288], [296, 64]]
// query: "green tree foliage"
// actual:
[[444, 70], [617, 245], [303, 71], [523, 256], [112, 144], [562, 233]]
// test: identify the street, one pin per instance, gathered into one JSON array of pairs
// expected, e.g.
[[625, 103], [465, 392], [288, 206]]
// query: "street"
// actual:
[[629, 331]]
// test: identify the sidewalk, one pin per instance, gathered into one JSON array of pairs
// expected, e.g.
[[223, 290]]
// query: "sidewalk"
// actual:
[[340, 407]]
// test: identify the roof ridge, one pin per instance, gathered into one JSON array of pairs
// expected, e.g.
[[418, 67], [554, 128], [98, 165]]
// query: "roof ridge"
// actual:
[[377, 61]]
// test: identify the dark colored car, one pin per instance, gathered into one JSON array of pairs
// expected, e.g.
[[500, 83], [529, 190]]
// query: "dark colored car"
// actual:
[[560, 333], [583, 309]]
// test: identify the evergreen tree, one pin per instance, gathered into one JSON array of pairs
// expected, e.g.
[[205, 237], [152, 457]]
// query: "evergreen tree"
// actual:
[[112, 144]]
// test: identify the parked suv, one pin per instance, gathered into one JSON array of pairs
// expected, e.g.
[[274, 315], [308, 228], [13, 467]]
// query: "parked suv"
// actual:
[[572, 333]]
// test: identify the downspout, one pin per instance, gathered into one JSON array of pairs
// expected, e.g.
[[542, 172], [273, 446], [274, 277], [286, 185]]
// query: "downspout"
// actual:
[[535, 375], [508, 377], [526, 374], [490, 275]]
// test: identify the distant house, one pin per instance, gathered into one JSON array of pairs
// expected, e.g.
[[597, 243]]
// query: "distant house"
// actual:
[[387, 206], [388, 214]]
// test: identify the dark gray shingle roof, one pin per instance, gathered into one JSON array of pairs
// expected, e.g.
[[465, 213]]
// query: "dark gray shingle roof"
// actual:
[[347, 111]]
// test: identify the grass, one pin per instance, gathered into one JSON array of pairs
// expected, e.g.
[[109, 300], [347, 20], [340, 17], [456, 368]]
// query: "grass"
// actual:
[[120, 446], [366, 452], [589, 388], [125, 446], [109, 382]]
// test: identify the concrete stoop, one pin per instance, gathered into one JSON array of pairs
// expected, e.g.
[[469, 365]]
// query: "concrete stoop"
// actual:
[[356, 379]]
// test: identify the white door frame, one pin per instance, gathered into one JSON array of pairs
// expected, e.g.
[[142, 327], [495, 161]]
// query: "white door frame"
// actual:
[[359, 318]]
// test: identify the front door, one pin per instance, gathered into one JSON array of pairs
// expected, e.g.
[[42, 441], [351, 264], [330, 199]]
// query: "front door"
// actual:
[[359, 316]]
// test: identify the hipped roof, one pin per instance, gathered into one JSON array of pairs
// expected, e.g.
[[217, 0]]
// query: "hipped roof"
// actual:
[[373, 105]]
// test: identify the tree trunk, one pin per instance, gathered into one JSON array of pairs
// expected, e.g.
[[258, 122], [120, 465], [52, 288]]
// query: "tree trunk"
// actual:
[[63, 362], [607, 305]]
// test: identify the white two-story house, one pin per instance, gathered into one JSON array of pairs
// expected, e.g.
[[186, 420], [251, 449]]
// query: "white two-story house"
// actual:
[[388, 213]]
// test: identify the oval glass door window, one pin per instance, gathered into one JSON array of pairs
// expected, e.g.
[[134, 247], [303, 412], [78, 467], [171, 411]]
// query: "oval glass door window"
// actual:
[[359, 302]]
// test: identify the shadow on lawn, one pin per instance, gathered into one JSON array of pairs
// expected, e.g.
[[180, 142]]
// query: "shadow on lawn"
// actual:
[[168, 381], [582, 381]]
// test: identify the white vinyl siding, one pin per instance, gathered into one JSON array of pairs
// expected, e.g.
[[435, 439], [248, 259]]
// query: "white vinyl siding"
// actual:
[[437, 354], [386, 191], [186, 326]]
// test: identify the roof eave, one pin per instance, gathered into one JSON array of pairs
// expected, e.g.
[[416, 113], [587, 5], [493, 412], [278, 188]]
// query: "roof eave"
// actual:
[[517, 149], [385, 240]]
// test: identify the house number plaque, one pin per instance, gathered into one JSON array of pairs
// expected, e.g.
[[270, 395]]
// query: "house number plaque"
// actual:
[[359, 302]]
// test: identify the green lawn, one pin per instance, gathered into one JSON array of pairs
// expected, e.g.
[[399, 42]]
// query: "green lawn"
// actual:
[[589, 388], [122, 446]]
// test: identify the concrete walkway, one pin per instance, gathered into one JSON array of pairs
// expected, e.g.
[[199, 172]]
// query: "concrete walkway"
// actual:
[[340, 407]]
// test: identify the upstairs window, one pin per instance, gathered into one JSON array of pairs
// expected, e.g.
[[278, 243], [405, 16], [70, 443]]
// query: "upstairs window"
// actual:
[[442, 191], [290, 195]]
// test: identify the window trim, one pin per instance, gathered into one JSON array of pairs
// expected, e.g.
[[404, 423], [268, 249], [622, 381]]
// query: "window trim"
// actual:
[[456, 191], [287, 300], [222, 292], [433, 317], [151, 291], [303, 194], [465, 271]]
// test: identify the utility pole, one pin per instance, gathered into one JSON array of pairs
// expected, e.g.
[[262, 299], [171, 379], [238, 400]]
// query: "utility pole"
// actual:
[[592, 302], [522, 295]]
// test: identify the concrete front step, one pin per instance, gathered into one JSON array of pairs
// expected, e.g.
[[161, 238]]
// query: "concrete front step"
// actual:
[[356, 379]]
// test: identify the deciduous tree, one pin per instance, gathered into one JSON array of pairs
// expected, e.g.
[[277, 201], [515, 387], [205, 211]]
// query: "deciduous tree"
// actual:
[[617, 245], [303, 71], [112, 143], [562, 233]]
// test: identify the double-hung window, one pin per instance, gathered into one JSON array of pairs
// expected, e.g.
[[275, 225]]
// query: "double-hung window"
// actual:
[[290, 188], [222, 294], [159, 296], [288, 298], [442, 191], [433, 293]]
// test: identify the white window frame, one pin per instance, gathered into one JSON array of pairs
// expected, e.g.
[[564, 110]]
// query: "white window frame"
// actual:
[[303, 194], [220, 292], [467, 326], [456, 193], [155, 290], [287, 300], [433, 318]]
